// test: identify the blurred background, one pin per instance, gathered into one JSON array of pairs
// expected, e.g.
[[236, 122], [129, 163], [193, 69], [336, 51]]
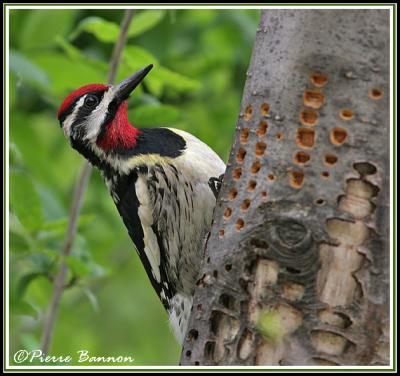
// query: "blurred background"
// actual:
[[201, 58]]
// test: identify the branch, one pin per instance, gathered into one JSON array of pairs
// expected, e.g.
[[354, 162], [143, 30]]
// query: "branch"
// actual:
[[123, 36], [80, 188]]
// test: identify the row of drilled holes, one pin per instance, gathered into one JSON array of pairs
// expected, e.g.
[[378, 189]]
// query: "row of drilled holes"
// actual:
[[297, 177], [255, 167], [301, 157], [245, 132], [314, 99], [237, 173], [251, 186], [261, 132], [244, 206], [310, 117], [248, 113], [305, 137]]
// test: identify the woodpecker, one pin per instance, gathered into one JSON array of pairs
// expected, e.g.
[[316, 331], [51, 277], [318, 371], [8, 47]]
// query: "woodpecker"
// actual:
[[163, 181]]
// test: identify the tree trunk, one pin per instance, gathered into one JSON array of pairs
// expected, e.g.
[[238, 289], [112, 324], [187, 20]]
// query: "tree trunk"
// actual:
[[296, 269]]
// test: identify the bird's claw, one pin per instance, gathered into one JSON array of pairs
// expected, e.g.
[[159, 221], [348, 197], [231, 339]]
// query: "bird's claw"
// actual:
[[215, 184]]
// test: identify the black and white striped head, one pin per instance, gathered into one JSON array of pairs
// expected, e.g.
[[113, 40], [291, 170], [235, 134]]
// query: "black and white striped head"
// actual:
[[97, 113]]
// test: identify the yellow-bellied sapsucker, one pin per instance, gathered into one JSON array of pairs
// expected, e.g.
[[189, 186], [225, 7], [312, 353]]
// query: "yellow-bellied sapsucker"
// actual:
[[159, 179]]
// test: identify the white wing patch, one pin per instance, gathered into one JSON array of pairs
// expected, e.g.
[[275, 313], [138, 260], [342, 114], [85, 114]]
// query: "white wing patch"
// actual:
[[145, 211], [198, 162]]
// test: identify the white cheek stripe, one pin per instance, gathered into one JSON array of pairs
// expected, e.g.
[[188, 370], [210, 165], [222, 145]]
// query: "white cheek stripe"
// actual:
[[71, 118], [96, 118]]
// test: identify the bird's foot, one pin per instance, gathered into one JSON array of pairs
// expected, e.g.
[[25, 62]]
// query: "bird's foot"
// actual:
[[215, 184]]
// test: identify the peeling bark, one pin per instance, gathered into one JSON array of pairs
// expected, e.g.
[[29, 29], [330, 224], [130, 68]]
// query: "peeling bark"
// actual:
[[296, 269]]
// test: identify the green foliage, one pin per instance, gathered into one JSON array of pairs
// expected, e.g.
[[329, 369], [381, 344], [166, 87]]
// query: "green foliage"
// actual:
[[41, 27], [103, 30], [144, 21], [150, 114], [200, 59], [106, 31], [25, 201], [55, 64], [26, 71], [135, 57]]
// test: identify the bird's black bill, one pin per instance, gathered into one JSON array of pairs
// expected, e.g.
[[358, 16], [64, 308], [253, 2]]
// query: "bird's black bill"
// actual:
[[126, 87]]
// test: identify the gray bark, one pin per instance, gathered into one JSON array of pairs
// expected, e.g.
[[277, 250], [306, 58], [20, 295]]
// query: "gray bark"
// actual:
[[296, 269]]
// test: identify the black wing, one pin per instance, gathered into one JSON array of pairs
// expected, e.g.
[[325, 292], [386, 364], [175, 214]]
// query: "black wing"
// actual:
[[128, 206]]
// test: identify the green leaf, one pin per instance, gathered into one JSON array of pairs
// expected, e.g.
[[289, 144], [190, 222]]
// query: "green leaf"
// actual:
[[29, 341], [42, 262], [135, 57], [42, 26], [25, 202], [104, 31], [61, 223], [98, 271], [26, 71], [150, 115], [77, 266], [15, 225], [12, 89], [108, 32], [52, 207], [22, 307], [24, 282], [92, 299], [35, 265], [57, 226], [72, 52], [73, 75], [15, 155], [18, 242], [77, 55], [145, 20], [20, 239], [176, 80]]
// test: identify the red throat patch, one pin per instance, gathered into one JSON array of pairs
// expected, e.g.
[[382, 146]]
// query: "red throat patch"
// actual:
[[119, 134], [77, 93]]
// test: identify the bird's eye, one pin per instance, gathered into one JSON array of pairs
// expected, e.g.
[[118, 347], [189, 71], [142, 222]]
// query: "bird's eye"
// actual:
[[91, 101]]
